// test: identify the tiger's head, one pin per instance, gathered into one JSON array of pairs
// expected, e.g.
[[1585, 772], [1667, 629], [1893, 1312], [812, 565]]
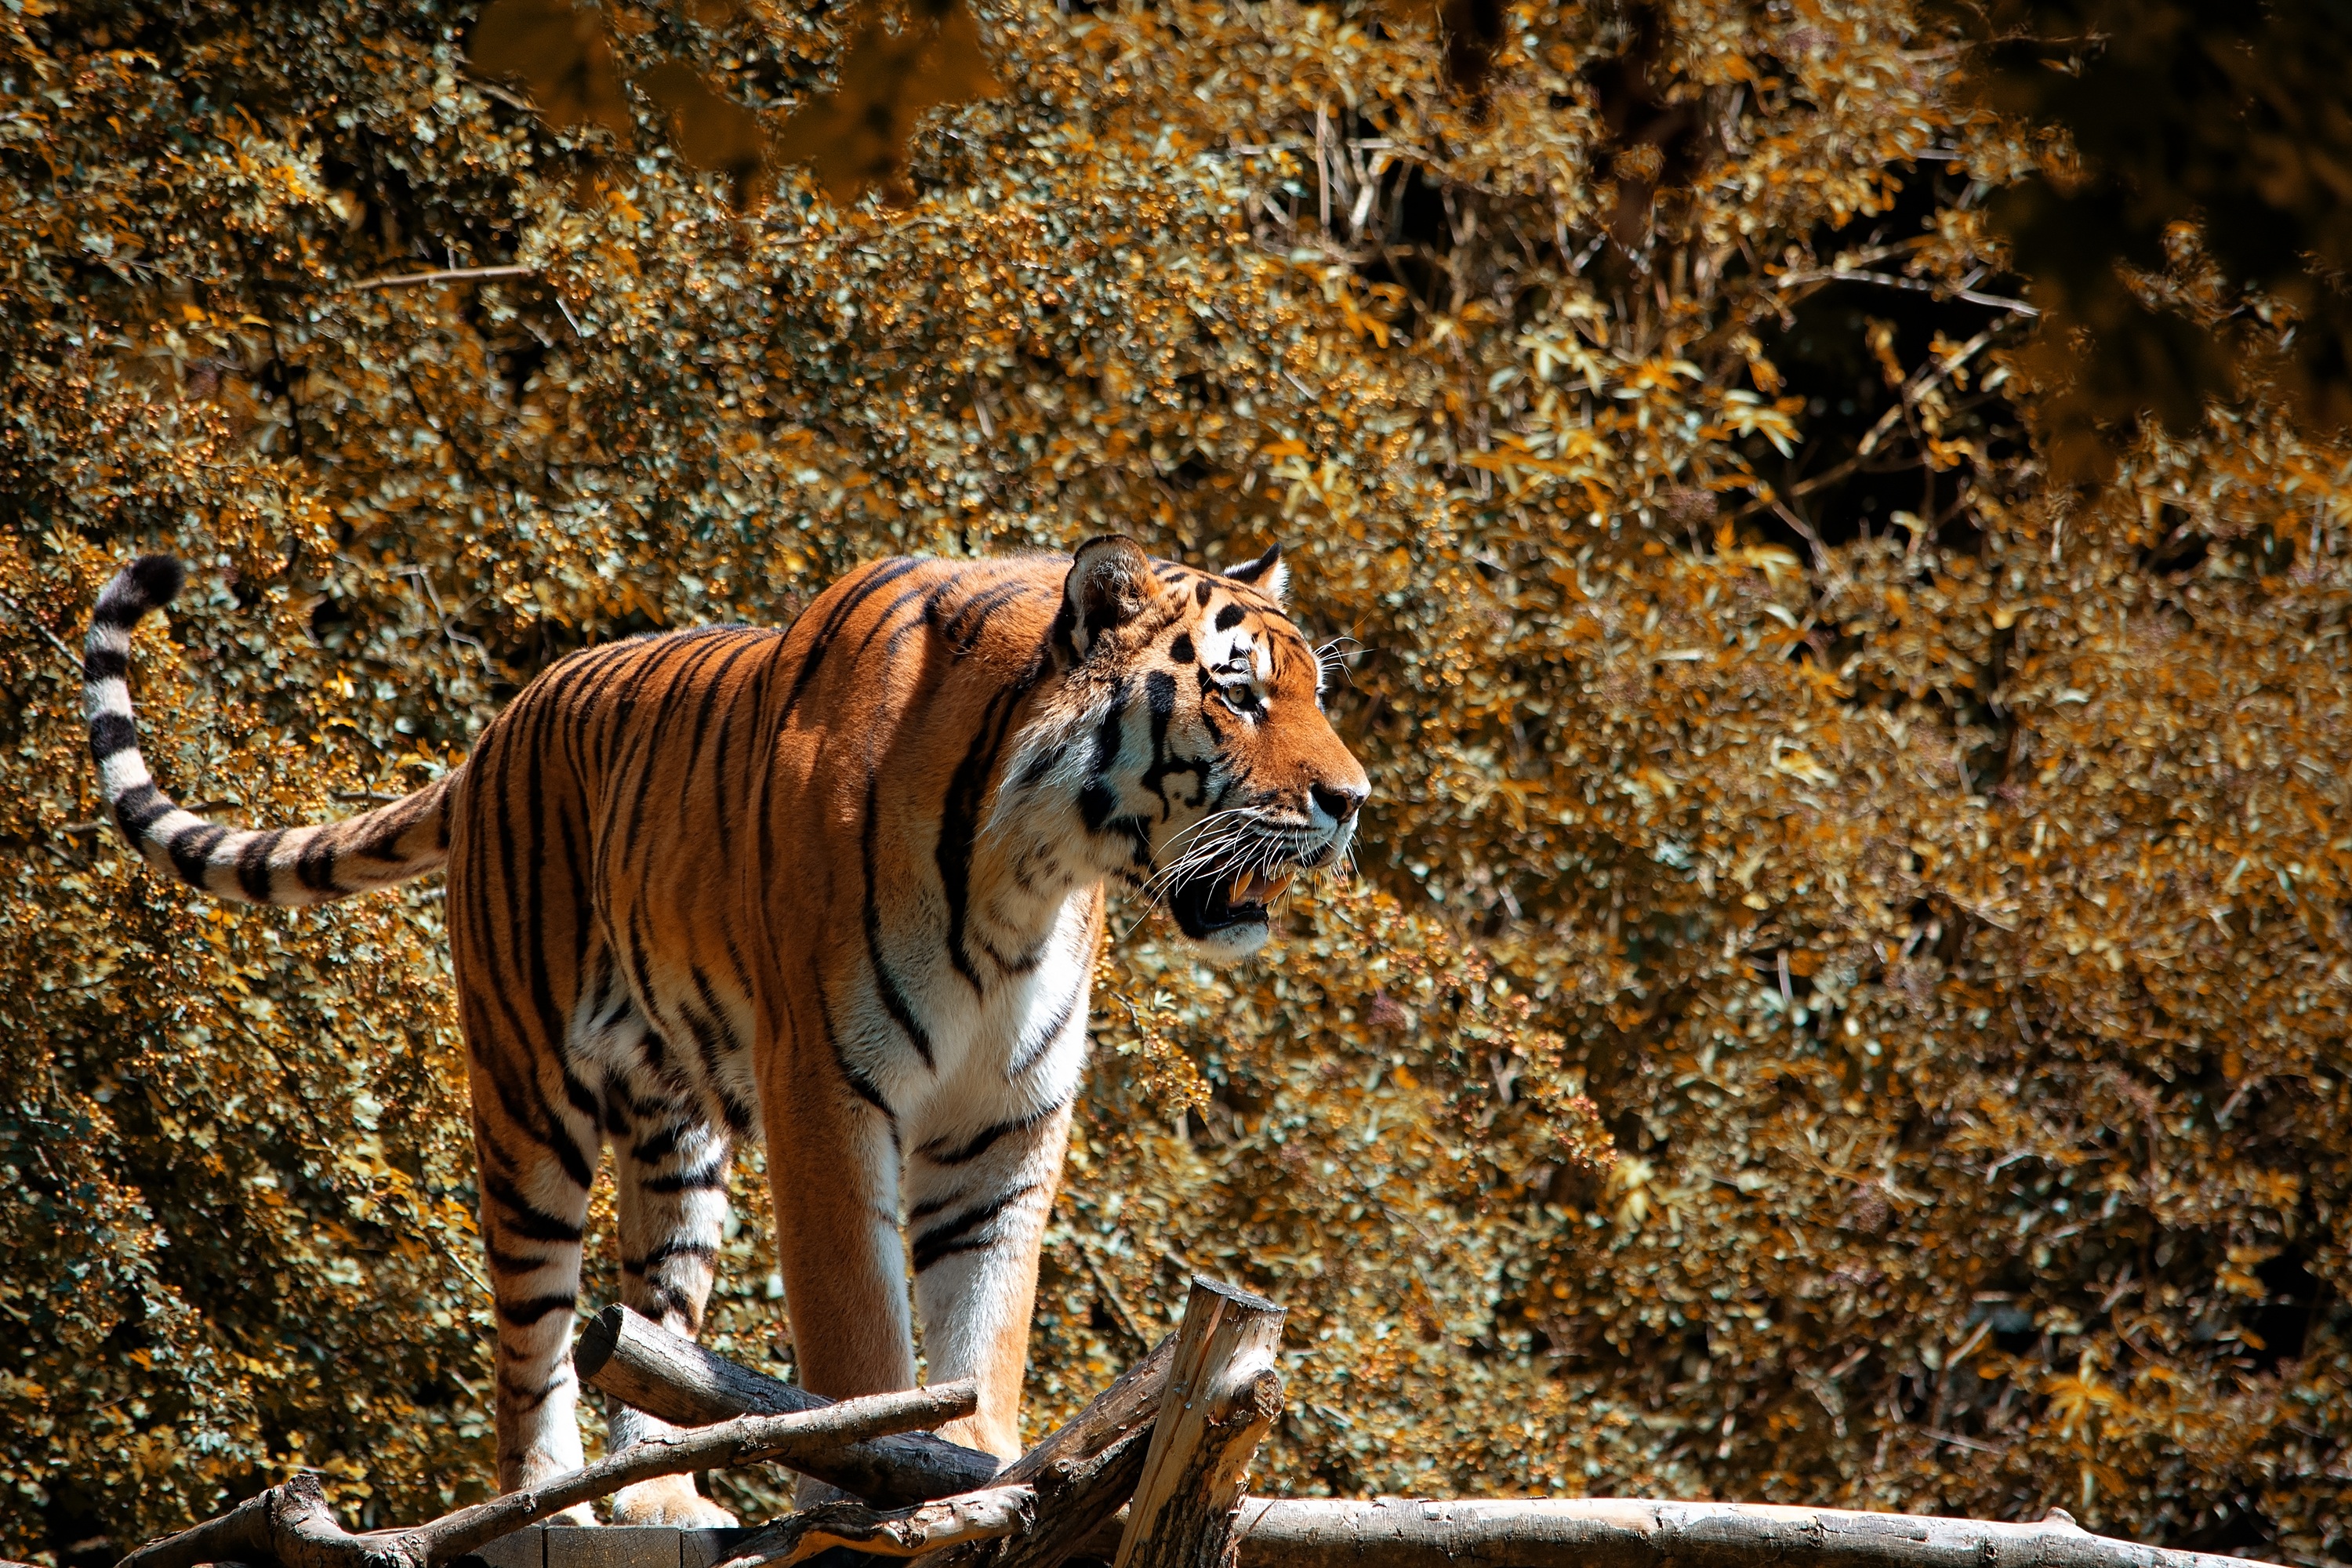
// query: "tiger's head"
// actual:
[[1205, 773]]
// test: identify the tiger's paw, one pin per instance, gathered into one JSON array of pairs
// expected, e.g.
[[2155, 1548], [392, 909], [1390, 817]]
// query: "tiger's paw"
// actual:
[[578, 1513], [672, 1501]]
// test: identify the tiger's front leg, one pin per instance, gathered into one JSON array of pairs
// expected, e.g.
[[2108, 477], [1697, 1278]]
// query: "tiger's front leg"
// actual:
[[978, 1202]]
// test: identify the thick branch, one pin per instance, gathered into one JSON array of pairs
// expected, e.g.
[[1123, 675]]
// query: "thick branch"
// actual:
[[292, 1526], [1084, 1470], [641, 1363], [1612, 1533], [901, 1532]]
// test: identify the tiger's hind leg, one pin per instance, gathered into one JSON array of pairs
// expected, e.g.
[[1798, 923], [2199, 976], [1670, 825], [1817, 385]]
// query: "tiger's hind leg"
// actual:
[[670, 1166], [534, 1209]]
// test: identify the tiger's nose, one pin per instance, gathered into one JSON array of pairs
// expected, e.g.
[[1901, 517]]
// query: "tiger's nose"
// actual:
[[1338, 805]]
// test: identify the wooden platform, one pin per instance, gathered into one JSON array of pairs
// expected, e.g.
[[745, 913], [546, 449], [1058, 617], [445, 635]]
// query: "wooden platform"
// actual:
[[611, 1546]]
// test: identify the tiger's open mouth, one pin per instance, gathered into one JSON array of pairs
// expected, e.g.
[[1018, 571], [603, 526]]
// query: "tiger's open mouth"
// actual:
[[1207, 905]]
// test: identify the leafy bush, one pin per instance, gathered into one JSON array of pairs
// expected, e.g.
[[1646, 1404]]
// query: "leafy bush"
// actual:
[[1934, 875]]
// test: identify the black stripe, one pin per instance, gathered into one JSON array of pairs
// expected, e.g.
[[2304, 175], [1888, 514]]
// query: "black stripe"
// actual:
[[678, 691], [191, 850], [961, 1232], [660, 1146], [958, 832], [1112, 729], [1029, 1050], [1043, 763], [1160, 697], [708, 1177], [930, 598], [667, 1250], [521, 1219], [926, 1210], [711, 690], [105, 664], [582, 1097], [875, 581], [979, 1144], [523, 1314], [964, 628], [515, 1396], [111, 734], [315, 866], [885, 982], [865, 1088], [532, 912], [712, 1032], [253, 864], [1096, 802], [140, 809], [390, 823]]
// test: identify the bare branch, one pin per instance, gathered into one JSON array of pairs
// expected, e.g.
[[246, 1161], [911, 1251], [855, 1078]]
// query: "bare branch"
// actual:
[[1616, 1532], [1913, 285], [443, 275], [292, 1526]]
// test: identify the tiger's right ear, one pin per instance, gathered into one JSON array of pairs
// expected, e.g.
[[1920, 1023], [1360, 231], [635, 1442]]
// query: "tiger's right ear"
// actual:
[[1110, 583]]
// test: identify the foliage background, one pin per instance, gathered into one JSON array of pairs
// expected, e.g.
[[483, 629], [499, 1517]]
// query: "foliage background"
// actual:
[[1933, 872]]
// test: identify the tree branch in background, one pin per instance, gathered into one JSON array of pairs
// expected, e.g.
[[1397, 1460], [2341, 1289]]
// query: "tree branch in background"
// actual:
[[443, 275]]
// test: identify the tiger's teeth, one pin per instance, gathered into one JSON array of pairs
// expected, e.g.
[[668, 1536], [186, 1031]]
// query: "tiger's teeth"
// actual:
[[1253, 888]]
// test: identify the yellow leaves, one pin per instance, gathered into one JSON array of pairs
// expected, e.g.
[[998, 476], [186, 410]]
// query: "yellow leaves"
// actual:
[[1745, 413], [1798, 763]]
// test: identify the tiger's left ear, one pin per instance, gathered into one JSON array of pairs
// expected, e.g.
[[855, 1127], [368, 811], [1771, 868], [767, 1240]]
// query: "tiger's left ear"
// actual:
[[1110, 583], [1267, 574]]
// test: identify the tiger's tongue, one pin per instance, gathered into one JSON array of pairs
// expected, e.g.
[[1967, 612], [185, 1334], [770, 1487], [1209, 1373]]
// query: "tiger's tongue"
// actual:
[[1254, 888]]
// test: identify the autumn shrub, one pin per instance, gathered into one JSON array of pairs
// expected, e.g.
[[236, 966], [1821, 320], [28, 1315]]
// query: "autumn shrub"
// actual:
[[1845, 997]]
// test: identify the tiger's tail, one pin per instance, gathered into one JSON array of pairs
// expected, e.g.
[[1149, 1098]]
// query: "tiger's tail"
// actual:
[[406, 838]]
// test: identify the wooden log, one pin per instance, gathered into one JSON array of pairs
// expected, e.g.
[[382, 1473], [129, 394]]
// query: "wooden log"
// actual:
[[1224, 1391], [641, 1363], [290, 1525], [1615, 1532], [1084, 1470], [900, 1532]]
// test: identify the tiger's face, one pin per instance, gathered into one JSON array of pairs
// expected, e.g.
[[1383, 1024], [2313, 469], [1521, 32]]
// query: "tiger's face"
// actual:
[[1212, 778]]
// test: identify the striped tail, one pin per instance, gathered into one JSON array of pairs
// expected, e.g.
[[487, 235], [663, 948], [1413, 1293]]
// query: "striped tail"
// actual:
[[280, 866]]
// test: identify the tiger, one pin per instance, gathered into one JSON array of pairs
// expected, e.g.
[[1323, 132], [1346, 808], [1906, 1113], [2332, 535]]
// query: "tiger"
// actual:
[[838, 887]]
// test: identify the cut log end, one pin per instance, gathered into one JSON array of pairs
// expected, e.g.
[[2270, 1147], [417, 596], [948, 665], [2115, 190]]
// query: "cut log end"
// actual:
[[1225, 1391]]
